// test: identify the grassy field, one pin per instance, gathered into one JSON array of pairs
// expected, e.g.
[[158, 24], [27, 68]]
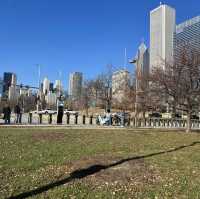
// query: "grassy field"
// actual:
[[72, 163]]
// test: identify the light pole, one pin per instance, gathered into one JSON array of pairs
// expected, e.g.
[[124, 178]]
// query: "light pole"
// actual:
[[39, 75], [39, 88]]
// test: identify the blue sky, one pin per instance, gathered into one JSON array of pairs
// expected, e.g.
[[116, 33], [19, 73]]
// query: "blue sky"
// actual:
[[75, 35]]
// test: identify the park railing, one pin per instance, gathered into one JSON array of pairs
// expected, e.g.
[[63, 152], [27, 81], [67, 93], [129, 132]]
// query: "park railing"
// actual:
[[75, 119]]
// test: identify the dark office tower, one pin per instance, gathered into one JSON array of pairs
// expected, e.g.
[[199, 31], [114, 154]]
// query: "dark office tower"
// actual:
[[7, 80], [41, 86], [51, 86], [1, 86]]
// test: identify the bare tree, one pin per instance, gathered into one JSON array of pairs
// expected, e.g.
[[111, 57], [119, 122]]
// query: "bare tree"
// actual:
[[86, 95], [178, 83], [101, 88]]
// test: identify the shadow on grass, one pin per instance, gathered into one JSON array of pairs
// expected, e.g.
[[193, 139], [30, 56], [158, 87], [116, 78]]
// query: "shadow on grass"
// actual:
[[82, 173]]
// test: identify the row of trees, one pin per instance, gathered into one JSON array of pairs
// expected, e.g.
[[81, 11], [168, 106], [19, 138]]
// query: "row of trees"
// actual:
[[171, 85], [175, 85]]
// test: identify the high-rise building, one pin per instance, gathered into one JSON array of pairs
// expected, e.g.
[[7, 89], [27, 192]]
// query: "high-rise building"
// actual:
[[51, 86], [7, 81], [75, 84], [1, 86], [142, 71], [41, 87], [142, 66], [58, 87], [120, 83], [12, 92], [187, 36], [162, 28], [51, 98], [46, 84]]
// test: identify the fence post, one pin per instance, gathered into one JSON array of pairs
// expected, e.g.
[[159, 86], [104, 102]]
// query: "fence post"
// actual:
[[20, 118], [129, 121], [40, 118], [30, 118], [83, 119], [91, 117], [68, 118], [50, 118], [76, 119]]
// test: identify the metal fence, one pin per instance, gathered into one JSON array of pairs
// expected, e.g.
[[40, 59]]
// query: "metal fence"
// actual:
[[68, 119]]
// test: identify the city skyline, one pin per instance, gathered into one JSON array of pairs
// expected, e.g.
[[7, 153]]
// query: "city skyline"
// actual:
[[20, 55]]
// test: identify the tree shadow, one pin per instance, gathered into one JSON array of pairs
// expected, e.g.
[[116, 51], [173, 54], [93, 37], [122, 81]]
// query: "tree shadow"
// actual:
[[82, 173]]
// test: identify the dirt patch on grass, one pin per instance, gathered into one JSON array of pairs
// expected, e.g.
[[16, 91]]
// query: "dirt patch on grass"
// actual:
[[113, 171], [48, 136]]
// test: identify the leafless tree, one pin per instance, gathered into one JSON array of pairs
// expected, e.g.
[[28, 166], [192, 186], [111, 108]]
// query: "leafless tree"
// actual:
[[177, 83], [101, 88]]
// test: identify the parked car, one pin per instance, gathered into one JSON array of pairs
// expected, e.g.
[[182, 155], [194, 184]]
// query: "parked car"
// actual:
[[157, 115], [45, 111], [70, 112], [176, 115], [195, 117]]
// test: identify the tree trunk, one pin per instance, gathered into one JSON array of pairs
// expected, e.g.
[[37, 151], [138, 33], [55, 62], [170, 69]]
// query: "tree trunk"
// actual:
[[188, 130]]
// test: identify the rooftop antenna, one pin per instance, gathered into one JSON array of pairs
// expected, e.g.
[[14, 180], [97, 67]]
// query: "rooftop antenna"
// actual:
[[39, 75]]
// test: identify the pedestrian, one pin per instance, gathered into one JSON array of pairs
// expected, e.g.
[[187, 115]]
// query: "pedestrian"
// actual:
[[18, 114], [7, 114], [108, 117]]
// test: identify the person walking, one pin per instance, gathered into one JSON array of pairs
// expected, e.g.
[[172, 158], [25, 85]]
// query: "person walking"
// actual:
[[17, 113], [7, 114]]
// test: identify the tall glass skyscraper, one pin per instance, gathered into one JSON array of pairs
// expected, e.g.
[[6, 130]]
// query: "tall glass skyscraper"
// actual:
[[75, 84], [1, 86], [7, 80], [187, 36], [162, 28]]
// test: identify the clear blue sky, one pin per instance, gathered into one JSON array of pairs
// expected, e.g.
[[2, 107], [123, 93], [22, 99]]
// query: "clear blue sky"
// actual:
[[75, 35]]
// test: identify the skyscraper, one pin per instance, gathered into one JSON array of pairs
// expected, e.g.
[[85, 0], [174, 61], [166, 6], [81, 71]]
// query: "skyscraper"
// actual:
[[120, 83], [142, 65], [58, 87], [187, 36], [12, 92], [1, 86], [75, 84], [46, 84], [51, 86], [7, 80], [162, 28]]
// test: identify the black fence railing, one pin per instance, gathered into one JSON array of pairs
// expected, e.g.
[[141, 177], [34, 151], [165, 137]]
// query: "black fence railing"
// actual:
[[75, 119]]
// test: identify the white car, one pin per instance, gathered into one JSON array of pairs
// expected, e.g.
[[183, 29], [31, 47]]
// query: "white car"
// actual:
[[70, 112], [46, 111]]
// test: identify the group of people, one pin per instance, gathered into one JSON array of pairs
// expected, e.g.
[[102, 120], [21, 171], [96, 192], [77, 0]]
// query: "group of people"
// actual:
[[7, 114]]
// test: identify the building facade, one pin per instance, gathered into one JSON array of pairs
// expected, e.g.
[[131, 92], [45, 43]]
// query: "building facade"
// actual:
[[162, 28], [7, 81], [187, 36], [120, 84], [58, 87], [51, 87], [12, 91], [46, 84], [142, 66], [75, 84], [1, 87]]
